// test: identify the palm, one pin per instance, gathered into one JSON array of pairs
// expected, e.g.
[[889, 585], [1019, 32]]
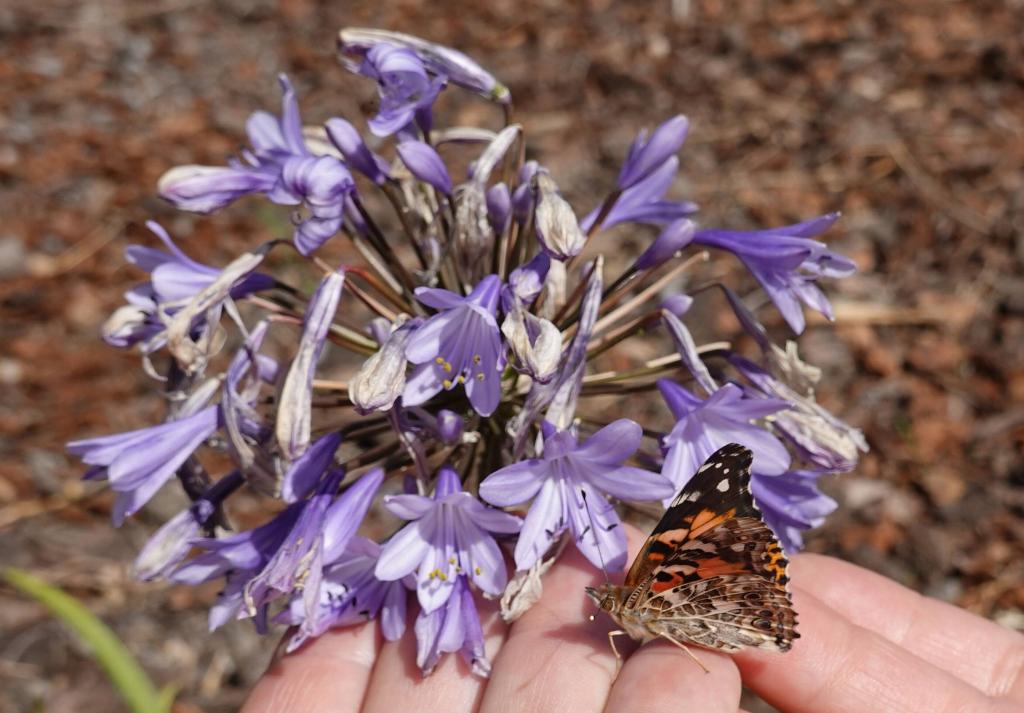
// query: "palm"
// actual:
[[868, 646]]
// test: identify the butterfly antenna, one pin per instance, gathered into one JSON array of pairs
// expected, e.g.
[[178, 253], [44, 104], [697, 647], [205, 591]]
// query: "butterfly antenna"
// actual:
[[593, 528]]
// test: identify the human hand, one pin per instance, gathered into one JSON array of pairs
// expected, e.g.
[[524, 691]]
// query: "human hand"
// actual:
[[868, 645]]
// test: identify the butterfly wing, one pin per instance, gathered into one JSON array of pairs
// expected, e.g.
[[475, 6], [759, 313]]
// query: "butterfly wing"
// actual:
[[712, 572]]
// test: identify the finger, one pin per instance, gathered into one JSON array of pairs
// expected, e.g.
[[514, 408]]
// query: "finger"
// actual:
[[555, 658], [839, 667], [328, 674], [399, 685], [985, 655], [662, 677]]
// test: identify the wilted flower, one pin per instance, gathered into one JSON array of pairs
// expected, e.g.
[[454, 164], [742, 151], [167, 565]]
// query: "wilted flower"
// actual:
[[448, 537], [568, 485], [381, 380], [818, 436], [557, 227], [293, 417]]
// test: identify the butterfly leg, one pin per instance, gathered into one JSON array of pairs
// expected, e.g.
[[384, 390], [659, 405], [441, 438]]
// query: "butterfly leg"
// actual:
[[618, 656], [688, 652]]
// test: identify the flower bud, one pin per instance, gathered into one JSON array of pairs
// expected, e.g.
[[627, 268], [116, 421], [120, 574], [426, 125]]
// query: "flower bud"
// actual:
[[425, 164], [536, 343]]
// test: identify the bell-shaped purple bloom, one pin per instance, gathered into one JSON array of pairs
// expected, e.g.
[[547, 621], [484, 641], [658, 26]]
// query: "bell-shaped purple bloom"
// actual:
[[137, 463], [787, 263], [676, 236], [174, 276], [407, 91], [350, 594], [170, 544], [648, 154], [568, 486], [704, 426], [425, 164], [286, 555], [644, 201], [791, 503], [455, 626], [448, 535], [357, 154], [461, 344], [280, 165]]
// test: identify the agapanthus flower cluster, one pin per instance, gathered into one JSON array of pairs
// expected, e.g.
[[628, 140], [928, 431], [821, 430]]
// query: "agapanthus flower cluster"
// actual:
[[472, 437]]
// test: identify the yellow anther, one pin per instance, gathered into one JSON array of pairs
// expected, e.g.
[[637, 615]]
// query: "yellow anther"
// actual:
[[452, 560], [478, 571], [447, 367], [447, 383], [477, 359], [443, 576], [480, 376], [439, 360], [461, 379]]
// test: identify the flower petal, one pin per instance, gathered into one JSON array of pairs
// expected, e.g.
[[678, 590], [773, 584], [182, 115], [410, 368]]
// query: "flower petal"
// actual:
[[514, 483]]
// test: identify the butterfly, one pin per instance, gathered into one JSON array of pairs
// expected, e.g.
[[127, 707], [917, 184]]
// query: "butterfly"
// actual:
[[711, 573]]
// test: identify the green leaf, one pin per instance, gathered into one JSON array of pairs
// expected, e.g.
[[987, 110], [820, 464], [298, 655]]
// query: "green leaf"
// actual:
[[123, 670]]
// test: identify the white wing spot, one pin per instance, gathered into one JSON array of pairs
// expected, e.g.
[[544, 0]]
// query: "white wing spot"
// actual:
[[718, 464], [703, 467], [723, 485]]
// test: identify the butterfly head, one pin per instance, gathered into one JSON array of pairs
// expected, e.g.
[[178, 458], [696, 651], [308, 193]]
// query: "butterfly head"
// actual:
[[604, 596]]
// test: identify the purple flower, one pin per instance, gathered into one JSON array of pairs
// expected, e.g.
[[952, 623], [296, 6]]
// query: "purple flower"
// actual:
[[704, 426], [569, 484], [137, 463], [791, 503], [280, 165], [174, 276], [174, 279], [787, 263], [647, 154], [440, 60], [407, 92], [676, 236], [447, 536], [425, 164], [461, 344], [284, 556], [644, 201], [350, 594], [322, 183], [455, 626], [525, 283], [170, 544], [357, 154]]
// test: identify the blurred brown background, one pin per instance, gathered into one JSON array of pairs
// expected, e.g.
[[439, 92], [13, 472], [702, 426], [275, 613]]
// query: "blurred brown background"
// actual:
[[908, 116]]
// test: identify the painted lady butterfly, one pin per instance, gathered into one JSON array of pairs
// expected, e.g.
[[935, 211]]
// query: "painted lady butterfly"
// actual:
[[711, 573]]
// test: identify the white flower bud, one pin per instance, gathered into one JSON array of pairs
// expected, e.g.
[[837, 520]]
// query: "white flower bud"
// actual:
[[382, 377], [556, 223]]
